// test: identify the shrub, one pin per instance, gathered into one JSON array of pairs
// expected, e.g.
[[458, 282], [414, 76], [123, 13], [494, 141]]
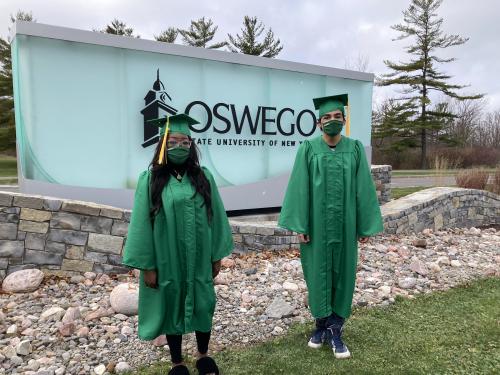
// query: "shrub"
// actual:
[[472, 179]]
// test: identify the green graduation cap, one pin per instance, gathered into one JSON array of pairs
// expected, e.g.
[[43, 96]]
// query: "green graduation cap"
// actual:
[[330, 103], [176, 124], [172, 124]]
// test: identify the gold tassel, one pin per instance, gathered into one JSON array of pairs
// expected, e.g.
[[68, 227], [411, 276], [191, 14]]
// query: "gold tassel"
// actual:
[[348, 122], [162, 157]]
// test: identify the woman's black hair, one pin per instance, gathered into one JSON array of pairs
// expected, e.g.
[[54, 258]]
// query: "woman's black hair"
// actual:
[[161, 173]]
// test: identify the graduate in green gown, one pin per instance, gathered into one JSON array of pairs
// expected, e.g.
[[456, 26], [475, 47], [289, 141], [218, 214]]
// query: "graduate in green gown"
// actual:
[[178, 234], [331, 203]]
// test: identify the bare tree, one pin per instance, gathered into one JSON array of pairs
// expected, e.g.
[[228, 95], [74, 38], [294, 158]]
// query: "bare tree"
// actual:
[[360, 63]]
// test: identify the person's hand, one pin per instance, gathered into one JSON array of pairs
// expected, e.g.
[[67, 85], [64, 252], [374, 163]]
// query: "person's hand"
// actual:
[[151, 279], [364, 239], [215, 269], [304, 238]]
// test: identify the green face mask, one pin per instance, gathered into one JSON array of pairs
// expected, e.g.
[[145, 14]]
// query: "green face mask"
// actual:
[[178, 155], [333, 127]]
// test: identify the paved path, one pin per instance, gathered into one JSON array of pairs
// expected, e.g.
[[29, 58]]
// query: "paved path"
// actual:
[[399, 182]]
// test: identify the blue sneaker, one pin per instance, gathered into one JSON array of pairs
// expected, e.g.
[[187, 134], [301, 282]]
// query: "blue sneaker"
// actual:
[[319, 335], [340, 349]]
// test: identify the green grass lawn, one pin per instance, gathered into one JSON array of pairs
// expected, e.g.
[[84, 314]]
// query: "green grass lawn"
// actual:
[[401, 192], [8, 167], [430, 172], [452, 332]]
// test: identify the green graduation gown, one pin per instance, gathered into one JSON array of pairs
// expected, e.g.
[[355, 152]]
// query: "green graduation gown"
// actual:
[[331, 197], [180, 246]]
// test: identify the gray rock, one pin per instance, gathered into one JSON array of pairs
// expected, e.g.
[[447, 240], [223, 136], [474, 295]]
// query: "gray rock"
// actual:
[[122, 368], [8, 231], [279, 309], [71, 314], [96, 224], [81, 208], [100, 369], [42, 257], [11, 249], [111, 212], [419, 267], [9, 218], [105, 243], [407, 283], [55, 247], [33, 226], [35, 241], [115, 260], [4, 263], [6, 199], [75, 252], [16, 361], [120, 228], [29, 202], [12, 330], [96, 257], [64, 220], [24, 348], [54, 313], [50, 204], [77, 265], [70, 237]]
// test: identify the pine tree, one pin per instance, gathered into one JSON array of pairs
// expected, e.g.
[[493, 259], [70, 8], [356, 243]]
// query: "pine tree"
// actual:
[[6, 89], [248, 44], [420, 76], [168, 36], [200, 33], [117, 27]]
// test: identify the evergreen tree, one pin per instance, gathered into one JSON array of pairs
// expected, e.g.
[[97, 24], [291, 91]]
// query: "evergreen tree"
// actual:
[[200, 33], [6, 89], [248, 42], [117, 27], [168, 36], [421, 76]]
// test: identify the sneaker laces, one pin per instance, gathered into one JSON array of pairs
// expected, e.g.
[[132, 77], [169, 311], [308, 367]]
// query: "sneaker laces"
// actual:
[[336, 337]]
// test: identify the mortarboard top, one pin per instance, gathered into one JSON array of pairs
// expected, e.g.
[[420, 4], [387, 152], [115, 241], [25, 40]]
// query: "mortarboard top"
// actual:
[[330, 103], [176, 124]]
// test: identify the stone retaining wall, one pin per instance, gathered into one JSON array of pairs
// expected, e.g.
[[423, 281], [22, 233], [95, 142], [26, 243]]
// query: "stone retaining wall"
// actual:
[[60, 237], [441, 207], [382, 177], [65, 237], [434, 208]]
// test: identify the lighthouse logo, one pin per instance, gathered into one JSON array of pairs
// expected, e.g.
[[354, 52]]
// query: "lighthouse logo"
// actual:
[[157, 103]]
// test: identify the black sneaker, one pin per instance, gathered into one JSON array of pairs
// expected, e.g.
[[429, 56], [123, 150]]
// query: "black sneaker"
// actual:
[[317, 338], [340, 349], [319, 335]]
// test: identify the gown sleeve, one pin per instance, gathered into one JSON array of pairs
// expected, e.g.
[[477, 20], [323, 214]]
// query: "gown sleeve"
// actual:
[[139, 249], [222, 236], [294, 214], [368, 216]]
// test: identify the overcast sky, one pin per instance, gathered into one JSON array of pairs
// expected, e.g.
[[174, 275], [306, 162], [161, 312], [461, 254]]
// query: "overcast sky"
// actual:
[[323, 32]]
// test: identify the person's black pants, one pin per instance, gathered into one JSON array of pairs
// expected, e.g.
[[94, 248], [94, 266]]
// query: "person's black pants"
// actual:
[[175, 345]]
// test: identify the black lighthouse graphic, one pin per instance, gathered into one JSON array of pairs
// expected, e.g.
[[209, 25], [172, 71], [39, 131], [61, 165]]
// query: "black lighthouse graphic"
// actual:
[[155, 106]]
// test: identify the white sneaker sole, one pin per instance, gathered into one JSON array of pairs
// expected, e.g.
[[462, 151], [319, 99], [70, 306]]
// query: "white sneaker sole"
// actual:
[[313, 345], [342, 355]]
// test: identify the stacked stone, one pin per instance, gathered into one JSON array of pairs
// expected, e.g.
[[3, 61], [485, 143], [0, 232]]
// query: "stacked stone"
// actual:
[[66, 238], [439, 208], [382, 175], [262, 236], [60, 237]]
